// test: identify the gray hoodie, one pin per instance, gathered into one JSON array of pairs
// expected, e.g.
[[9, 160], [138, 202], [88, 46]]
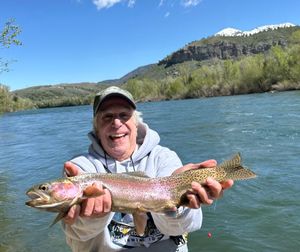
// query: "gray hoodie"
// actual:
[[115, 231]]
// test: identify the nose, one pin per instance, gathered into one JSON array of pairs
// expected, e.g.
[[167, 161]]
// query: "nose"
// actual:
[[117, 123]]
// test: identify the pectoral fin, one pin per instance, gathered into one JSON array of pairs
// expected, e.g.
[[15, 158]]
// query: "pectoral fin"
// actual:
[[59, 217], [92, 191], [66, 209]]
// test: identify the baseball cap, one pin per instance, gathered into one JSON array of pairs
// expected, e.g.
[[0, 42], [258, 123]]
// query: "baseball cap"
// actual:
[[110, 92]]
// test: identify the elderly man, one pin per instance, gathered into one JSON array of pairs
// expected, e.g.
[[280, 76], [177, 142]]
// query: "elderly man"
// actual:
[[121, 142]]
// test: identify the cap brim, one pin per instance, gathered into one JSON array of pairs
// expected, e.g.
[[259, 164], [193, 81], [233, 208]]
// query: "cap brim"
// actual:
[[96, 109]]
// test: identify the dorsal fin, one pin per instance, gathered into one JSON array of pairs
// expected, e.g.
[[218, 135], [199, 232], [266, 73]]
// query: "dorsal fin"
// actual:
[[234, 169], [137, 174], [233, 163]]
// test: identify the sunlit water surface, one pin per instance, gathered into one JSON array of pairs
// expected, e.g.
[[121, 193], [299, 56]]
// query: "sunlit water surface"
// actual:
[[255, 215]]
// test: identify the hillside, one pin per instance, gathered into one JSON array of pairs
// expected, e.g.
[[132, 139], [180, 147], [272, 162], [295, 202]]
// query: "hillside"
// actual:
[[217, 65], [230, 47]]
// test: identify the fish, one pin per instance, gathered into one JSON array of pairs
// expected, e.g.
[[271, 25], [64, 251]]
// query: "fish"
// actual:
[[131, 192]]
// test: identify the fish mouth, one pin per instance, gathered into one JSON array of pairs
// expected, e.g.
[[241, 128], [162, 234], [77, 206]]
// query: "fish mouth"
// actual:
[[37, 198], [42, 200]]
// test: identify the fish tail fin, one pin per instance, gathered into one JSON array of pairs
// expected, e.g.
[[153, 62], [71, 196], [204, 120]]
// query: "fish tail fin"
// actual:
[[234, 169]]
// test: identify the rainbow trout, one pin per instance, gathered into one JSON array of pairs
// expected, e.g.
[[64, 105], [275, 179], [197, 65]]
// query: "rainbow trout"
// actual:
[[132, 192]]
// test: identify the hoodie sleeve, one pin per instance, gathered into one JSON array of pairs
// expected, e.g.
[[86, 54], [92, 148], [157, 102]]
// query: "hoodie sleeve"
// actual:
[[188, 220], [86, 228]]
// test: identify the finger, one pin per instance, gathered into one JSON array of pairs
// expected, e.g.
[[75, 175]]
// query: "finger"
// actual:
[[227, 184], [202, 193], [71, 169], [214, 188], [208, 164], [87, 207], [186, 168], [73, 212], [72, 215], [107, 201], [98, 204], [98, 207], [194, 201], [103, 204]]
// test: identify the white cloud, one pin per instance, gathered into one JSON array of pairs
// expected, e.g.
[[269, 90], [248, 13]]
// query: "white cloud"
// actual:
[[161, 3], [167, 14], [105, 3], [190, 3], [131, 3], [101, 4]]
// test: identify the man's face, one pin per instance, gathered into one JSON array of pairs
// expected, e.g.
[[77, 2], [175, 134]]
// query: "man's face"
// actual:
[[117, 128]]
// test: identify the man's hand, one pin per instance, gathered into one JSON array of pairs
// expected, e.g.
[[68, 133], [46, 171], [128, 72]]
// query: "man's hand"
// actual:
[[91, 207], [204, 194]]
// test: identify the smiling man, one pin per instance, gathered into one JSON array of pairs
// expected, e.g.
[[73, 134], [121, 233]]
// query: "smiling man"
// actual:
[[122, 142], [116, 126]]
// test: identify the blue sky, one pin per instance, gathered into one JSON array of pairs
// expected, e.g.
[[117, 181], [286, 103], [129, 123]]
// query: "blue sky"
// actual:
[[71, 41]]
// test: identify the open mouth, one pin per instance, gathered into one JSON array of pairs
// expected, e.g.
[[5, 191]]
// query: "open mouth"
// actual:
[[33, 195], [117, 136], [37, 198]]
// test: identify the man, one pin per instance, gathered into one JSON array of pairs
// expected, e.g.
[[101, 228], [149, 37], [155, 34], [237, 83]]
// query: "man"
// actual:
[[121, 142]]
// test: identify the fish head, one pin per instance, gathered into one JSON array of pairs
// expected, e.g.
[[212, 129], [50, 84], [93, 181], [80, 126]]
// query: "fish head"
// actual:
[[54, 196]]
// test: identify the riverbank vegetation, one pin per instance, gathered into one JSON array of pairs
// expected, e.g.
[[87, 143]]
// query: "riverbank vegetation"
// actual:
[[277, 69], [10, 102]]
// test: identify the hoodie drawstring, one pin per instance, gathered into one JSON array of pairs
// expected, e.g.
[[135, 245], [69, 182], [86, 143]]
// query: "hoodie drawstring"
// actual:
[[106, 163]]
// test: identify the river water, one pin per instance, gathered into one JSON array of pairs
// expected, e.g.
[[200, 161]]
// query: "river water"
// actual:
[[262, 214]]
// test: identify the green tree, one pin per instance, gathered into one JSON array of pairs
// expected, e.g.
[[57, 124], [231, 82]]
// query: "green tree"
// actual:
[[277, 65], [5, 99], [176, 89], [185, 74], [8, 37], [295, 37], [294, 62], [231, 71], [252, 75]]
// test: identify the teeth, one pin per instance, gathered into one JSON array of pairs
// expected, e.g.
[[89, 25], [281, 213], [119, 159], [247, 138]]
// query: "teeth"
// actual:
[[117, 135]]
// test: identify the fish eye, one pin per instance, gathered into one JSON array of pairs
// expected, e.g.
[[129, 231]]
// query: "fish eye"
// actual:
[[43, 187]]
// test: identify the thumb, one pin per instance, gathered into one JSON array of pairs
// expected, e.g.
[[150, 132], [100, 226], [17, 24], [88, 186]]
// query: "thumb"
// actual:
[[71, 169], [208, 164], [186, 168], [205, 164]]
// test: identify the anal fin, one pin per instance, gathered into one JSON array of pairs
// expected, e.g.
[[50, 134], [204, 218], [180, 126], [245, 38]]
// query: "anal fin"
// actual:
[[140, 222]]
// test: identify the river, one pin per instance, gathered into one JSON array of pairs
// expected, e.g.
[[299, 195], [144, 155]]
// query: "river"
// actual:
[[262, 214]]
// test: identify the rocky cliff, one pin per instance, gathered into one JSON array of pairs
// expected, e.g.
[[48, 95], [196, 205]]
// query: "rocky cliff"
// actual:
[[222, 47]]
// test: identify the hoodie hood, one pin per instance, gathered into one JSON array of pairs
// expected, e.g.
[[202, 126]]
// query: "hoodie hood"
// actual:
[[147, 139]]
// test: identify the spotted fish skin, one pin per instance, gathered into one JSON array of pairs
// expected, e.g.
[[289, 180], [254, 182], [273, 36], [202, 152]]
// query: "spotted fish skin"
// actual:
[[131, 192]]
